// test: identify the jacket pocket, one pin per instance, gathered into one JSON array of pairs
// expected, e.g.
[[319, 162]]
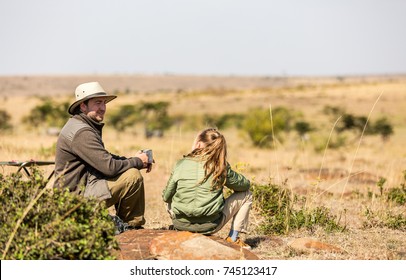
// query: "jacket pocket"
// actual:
[[97, 187]]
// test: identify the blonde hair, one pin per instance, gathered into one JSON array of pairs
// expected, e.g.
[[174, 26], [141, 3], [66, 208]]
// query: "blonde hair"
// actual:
[[214, 153]]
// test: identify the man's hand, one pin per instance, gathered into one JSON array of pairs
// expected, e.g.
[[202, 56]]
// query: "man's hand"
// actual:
[[144, 158]]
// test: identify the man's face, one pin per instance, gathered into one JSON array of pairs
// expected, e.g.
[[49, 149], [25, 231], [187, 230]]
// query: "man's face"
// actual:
[[95, 108]]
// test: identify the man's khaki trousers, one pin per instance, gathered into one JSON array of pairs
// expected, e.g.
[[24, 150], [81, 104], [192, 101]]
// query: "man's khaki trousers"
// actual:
[[128, 197]]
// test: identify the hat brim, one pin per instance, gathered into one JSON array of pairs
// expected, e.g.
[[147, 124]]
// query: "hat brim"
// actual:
[[72, 107]]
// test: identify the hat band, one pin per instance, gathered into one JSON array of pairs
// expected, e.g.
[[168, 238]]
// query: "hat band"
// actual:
[[99, 94]]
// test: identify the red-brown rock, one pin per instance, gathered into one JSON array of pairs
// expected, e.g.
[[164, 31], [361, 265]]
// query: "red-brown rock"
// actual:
[[176, 245]]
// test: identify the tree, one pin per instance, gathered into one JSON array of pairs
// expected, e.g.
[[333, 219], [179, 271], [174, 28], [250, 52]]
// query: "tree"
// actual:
[[302, 128], [384, 128], [124, 116], [156, 118]]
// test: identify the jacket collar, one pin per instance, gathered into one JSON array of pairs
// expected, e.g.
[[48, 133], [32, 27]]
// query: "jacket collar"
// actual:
[[95, 125]]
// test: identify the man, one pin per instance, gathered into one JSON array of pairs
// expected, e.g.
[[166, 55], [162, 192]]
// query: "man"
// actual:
[[83, 165]]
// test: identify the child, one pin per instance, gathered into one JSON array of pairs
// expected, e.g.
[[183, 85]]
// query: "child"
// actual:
[[194, 192]]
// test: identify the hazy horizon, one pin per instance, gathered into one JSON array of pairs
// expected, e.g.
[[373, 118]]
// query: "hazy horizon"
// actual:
[[211, 38]]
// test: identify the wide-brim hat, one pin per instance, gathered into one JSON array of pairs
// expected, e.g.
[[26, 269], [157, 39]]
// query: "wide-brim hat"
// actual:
[[87, 91]]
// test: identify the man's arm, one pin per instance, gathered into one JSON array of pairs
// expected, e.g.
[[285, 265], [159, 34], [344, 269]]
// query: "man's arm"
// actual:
[[90, 149]]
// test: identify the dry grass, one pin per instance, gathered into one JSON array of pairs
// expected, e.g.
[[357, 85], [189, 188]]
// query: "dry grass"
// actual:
[[340, 180]]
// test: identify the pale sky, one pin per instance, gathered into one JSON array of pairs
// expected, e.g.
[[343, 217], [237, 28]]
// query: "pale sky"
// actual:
[[207, 37]]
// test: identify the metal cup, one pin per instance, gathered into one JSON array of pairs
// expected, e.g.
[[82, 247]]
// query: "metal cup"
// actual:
[[149, 154]]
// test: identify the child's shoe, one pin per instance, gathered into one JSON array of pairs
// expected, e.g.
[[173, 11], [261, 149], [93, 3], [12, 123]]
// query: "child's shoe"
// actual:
[[238, 242]]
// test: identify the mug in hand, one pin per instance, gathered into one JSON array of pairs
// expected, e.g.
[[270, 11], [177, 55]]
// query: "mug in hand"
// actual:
[[149, 154]]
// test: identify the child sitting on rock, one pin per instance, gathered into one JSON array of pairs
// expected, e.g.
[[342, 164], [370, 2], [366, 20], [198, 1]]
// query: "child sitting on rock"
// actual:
[[194, 192]]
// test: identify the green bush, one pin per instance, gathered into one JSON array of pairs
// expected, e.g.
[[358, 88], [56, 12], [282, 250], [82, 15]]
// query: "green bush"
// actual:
[[5, 121], [388, 217], [383, 127], [333, 111], [350, 122], [43, 223], [258, 125], [384, 219], [355, 123], [153, 115], [223, 121], [395, 221], [398, 194], [395, 194], [323, 142], [302, 128], [262, 127], [48, 113], [124, 116], [276, 206]]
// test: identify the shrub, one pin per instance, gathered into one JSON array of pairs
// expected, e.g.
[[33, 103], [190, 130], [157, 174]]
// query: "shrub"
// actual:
[[42, 223], [262, 129], [388, 217], [224, 121], [395, 194], [123, 117], [259, 128], [153, 115], [357, 123], [5, 121], [322, 142], [276, 206], [302, 128], [354, 123], [48, 113], [333, 111], [382, 219], [395, 221], [398, 194], [383, 127]]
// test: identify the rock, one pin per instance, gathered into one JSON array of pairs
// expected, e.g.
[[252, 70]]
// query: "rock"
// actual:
[[185, 245], [176, 245], [308, 244]]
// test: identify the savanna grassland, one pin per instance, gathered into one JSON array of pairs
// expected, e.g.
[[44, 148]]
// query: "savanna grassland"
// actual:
[[343, 178]]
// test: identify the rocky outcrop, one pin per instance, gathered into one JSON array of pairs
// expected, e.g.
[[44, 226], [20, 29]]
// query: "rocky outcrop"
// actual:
[[177, 245]]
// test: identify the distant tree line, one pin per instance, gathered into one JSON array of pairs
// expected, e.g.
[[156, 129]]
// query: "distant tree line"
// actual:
[[263, 126]]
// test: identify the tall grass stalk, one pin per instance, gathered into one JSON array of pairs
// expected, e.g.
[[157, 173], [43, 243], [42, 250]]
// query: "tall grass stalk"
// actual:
[[359, 144], [336, 183], [326, 148], [274, 142], [322, 161]]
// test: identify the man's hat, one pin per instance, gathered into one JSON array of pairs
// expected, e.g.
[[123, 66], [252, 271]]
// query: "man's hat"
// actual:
[[86, 91]]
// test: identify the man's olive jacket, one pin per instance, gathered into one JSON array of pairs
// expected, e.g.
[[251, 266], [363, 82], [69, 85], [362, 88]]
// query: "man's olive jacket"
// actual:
[[82, 161]]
